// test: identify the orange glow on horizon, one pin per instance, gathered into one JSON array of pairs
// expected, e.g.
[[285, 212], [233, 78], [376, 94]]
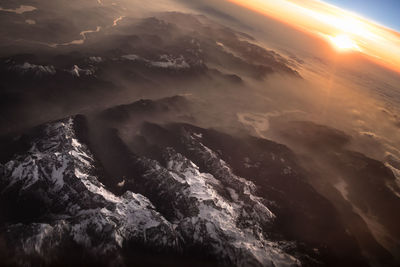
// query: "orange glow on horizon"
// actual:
[[344, 43], [346, 31]]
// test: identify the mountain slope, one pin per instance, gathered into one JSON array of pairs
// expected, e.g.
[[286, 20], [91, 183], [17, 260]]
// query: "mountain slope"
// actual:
[[57, 176]]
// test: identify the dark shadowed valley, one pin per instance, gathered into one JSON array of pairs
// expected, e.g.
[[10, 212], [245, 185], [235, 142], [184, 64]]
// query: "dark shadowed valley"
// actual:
[[190, 134]]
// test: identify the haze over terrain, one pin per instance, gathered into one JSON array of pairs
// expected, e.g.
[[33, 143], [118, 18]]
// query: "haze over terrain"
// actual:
[[192, 133]]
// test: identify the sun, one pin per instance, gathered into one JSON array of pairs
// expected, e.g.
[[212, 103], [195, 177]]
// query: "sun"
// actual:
[[343, 43]]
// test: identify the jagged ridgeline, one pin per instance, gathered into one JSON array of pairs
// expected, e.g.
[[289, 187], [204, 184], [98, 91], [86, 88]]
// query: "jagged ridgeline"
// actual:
[[156, 56], [188, 176], [85, 190]]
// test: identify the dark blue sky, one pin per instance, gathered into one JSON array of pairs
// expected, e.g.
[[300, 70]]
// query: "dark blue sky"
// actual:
[[385, 12]]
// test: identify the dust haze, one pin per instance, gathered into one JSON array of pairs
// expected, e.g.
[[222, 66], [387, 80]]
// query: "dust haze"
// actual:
[[215, 65]]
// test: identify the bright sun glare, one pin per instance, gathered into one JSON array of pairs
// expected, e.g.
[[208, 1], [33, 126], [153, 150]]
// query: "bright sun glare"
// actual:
[[343, 43]]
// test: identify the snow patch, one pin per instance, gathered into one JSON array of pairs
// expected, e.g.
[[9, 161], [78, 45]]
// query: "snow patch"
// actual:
[[132, 57], [167, 61], [38, 70], [216, 209], [164, 62], [60, 167], [77, 71], [96, 59]]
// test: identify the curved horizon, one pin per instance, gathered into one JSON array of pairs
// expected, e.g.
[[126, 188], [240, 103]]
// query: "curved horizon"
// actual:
[[379, 43]]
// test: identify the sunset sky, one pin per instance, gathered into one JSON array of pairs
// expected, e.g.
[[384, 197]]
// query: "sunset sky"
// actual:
[[385, 12], [346, 31]]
